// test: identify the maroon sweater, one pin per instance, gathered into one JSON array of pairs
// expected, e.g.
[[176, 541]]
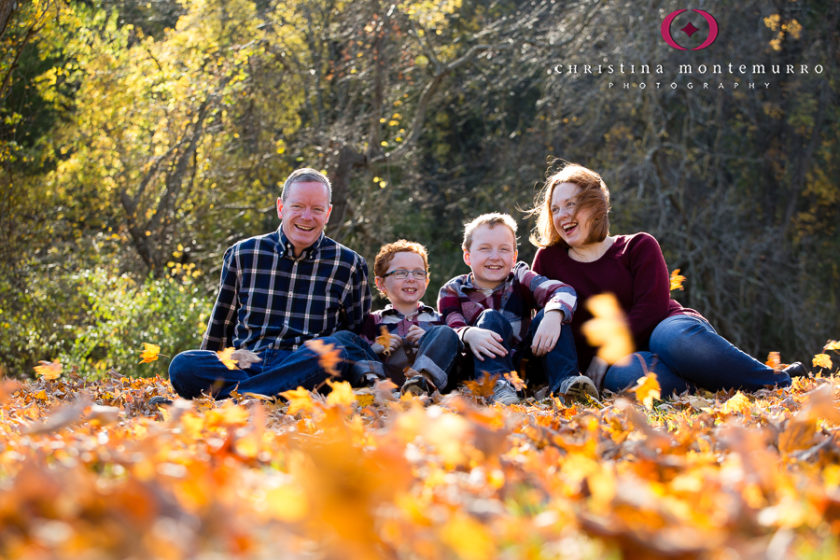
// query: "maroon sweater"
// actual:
[[633, 269]]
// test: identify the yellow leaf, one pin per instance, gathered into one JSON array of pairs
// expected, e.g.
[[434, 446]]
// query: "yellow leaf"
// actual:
[[328, 355], [774, 360], [48, 370], [300, 400], [822, 361], [647, 389], [608, 328], [677, 280], [287, 503], [341, 394], [832, 345], [468, 538], [738, 403], [150, 353], [226, 356]]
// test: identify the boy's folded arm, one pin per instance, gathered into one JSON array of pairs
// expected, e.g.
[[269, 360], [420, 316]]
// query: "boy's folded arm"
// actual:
[[552, 295]]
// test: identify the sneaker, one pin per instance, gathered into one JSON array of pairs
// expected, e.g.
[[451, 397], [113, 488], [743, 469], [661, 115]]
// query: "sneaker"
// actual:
[[796, 369], [504, 392], [416, 385], [160, 401], [577, 388]]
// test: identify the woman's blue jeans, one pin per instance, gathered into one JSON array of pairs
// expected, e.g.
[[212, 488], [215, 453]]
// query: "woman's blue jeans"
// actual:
[[556, 365], [686, 353], [200, 371]]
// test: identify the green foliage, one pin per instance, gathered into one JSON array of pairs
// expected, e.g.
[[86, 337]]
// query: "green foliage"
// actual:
[[94, 321]]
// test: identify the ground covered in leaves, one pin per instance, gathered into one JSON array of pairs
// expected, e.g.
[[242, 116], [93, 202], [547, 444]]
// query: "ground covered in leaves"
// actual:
[[92, 470]]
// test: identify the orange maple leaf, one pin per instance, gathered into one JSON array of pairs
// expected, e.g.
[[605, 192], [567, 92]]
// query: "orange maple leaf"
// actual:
[[226, 356], [774, 360], [677, 280], [328, 355], [483, 386], [384, 339], [608, 328], [48, 370], [517, 382], [149, 353], [647, 389]]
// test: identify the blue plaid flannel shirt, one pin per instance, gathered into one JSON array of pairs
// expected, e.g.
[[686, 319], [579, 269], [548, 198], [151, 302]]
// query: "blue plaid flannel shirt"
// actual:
[[270, 299]]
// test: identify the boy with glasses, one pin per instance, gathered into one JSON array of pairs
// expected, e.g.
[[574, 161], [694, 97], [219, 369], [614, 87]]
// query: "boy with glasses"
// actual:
[[418, 351]]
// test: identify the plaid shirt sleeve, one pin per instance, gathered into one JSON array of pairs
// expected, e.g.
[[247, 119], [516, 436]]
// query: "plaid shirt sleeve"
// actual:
[[220, 327], [548, 294], [449, 306], [357, 298]]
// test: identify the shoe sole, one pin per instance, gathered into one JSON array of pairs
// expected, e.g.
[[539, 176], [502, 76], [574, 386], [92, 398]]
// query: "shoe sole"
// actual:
[[578, 392]]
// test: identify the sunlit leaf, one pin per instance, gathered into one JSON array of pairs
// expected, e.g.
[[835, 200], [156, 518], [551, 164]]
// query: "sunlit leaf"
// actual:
[[48, 370], [226, 357], [774, 360], [483, 386], [677, 280], [517, 382], [328, 355], [739, 403], [608, 330], [647, 389], [822, 361], [341, 394], [149, 353], [384, 339], [832, 345], [300, 400]]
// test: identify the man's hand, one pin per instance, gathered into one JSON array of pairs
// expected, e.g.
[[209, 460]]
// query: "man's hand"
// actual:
[[547, 333], [484, 342], [415, 332]]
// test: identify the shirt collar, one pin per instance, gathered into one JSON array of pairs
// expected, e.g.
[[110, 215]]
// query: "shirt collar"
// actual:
[[286, 246], [469, 283], [421, 308]]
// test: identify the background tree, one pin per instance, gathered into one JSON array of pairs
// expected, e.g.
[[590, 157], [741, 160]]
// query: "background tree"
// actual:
[[140, 139]]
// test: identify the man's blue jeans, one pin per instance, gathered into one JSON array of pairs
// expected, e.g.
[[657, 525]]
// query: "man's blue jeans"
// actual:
[[200, 371], [685, 353], [556, 365]]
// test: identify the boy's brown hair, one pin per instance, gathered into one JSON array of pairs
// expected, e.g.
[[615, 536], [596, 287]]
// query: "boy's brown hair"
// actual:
[[492, 220], [387, 252]]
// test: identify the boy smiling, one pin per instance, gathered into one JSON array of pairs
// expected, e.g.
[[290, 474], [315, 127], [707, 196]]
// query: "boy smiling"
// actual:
[[421, 350], [491, 309]]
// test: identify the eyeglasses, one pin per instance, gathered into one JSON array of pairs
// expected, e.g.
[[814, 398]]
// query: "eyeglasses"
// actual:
[[402, 274]]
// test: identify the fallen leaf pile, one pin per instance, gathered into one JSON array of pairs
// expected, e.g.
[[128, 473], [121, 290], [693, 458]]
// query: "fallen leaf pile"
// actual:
[[92, 470]]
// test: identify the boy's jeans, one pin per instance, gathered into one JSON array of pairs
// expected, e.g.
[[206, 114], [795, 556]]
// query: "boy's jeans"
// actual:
[[435, 354], [558, 364], [686, 352], [197, 371]]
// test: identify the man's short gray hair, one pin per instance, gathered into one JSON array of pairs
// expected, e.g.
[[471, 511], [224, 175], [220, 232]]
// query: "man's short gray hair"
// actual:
[[306, 175]]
